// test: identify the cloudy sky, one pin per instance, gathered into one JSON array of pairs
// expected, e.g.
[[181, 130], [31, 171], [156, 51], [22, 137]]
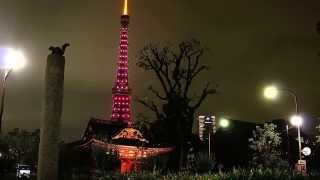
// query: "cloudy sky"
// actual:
[[251, 43]]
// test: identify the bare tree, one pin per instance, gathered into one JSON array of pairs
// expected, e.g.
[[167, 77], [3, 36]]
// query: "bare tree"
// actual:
[[176, 68]]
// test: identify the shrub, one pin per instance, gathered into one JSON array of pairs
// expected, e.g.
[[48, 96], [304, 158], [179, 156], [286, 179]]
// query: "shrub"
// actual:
[[240, 174], [203, 164], [265, 144]]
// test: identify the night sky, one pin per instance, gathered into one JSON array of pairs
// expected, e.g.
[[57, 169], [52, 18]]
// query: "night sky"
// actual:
[[251, 43]]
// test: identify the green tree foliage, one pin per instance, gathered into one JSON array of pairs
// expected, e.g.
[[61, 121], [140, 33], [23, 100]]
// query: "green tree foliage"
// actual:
[[176, 69], [265, 144]]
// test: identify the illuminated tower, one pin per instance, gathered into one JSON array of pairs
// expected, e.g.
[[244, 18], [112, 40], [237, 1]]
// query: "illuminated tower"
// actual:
[[121, 99]]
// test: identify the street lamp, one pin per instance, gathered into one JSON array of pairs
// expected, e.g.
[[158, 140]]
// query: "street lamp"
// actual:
[[297, 120], [224, 123], [272, 92], [10, 59]]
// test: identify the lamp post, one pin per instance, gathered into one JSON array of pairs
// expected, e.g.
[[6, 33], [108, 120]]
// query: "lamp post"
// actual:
[[272, 92], [11, 59], [3, 93], [296, 120]]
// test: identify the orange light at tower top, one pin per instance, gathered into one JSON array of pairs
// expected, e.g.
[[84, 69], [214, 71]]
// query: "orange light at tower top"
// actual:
[[125, 8]]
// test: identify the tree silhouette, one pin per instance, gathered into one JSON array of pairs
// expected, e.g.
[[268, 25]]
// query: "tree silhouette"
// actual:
[[176, 69]]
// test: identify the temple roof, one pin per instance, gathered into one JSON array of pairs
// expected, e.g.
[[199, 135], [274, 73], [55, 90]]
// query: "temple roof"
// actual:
[[130, 134], [102, 127], [129, 152]]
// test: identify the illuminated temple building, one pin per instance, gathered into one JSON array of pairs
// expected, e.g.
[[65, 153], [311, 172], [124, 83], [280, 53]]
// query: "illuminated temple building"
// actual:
[[116, 133]]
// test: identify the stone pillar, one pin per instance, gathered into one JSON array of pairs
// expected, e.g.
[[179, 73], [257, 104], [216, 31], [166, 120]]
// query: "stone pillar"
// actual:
[[50, 128]]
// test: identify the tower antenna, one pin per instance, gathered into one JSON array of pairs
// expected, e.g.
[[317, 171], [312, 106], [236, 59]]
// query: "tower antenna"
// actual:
[[125, 8]]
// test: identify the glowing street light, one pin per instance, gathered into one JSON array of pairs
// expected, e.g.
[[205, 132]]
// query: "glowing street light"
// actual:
[[10, 59], [13, 60], [224, 123], [297, 121], [271, 92]]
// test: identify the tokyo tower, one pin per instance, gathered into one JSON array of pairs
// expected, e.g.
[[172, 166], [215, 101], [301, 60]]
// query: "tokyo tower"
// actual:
[[121, 99]]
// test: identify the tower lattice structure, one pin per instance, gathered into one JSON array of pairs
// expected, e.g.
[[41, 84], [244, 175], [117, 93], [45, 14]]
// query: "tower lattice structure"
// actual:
[[121, 98]]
